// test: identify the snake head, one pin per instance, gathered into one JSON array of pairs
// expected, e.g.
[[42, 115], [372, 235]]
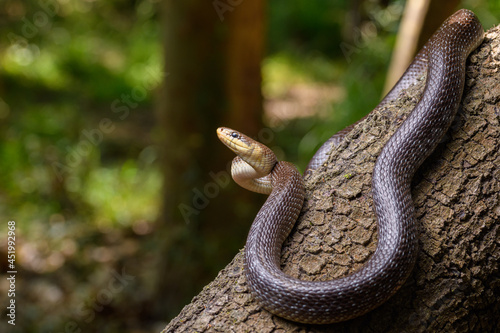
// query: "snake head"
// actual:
[[238, 142], [259, 156]]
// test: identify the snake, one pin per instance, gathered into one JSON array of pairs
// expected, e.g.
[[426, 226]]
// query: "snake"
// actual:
[[442, 61]]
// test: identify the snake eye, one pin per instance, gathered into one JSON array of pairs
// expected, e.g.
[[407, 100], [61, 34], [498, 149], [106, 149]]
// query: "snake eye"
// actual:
[[235, 135]]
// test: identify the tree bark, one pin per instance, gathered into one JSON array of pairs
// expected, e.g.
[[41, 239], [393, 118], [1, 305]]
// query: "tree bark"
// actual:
[[455, 285]]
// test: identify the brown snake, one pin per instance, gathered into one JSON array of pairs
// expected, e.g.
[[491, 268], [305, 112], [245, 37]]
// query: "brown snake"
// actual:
[[443, 58]]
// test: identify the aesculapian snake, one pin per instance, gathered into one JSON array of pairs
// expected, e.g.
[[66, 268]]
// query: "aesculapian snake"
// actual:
[[443, 59]]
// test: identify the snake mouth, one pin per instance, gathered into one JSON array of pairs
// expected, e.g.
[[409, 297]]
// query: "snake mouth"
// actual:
[[234, 140]]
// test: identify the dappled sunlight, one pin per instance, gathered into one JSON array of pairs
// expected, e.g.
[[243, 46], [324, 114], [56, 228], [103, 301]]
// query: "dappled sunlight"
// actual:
[[107, 191]]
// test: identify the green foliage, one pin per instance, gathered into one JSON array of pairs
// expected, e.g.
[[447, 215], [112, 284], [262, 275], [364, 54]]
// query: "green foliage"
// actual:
[[108, 190], [282, 70], [306, 25], [73, 195], [61, 78]]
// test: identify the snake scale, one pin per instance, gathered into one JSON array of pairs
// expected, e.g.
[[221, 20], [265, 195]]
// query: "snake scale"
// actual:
[[443, 59]]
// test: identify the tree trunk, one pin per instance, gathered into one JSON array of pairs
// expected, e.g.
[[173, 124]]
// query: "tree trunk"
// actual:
[[213, 51], [455, 285]]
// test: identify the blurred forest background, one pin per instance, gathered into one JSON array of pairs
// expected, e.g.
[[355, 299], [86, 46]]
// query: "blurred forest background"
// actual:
[[109, 160]]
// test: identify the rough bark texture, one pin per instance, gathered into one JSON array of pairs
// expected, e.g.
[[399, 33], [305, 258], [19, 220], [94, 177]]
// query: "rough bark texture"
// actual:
[[455, 286]]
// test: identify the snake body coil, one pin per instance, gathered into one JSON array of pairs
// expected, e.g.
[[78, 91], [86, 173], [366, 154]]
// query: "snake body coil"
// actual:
[[443, 58]]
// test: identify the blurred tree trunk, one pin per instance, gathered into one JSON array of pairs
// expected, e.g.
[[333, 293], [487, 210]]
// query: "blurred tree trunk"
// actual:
[[352, 22], [213, 51], [455, 284]]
